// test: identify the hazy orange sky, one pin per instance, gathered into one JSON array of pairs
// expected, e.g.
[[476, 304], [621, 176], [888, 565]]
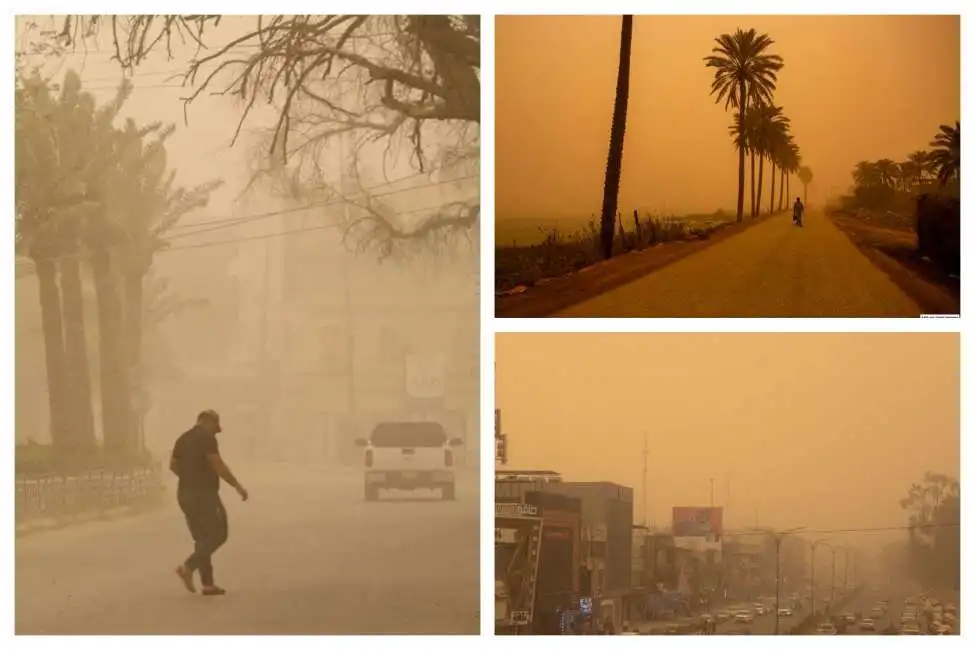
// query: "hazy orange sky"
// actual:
[[855, 87], [820, 430]]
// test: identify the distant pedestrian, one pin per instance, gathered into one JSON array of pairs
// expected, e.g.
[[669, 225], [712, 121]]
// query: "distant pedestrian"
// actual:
[[797, 209], [196, 461]]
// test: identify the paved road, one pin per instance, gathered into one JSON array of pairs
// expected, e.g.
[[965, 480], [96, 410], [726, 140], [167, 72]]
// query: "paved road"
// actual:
[[306, 556], [771, 269]]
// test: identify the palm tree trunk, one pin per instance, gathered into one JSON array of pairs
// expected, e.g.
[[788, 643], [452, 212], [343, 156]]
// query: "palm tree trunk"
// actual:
[[781, 186], [614, 162], [743, 100], [771, 195], [78, 376], [761, 172], [116, 421], [51, 323], [753, 182], [788, 189]]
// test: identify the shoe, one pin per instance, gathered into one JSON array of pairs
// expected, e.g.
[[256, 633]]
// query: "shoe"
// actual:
[[186, 576], [213, 590]]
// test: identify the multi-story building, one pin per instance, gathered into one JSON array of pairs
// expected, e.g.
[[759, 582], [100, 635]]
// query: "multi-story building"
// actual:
[[607, 540]]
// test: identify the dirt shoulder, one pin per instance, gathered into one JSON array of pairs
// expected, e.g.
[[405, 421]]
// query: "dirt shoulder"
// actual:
[[891, 245], [555, 294]]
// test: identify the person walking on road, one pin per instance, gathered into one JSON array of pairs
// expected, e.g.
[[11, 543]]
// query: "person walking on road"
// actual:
[[196, 461], [797, 209]]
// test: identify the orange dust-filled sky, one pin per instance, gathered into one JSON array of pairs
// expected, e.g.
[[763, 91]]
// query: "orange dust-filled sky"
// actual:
[[820, 430], [855, 87]]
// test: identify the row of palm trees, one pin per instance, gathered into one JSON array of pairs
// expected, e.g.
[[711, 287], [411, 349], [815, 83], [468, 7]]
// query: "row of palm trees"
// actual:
[[745, 78], [940, 164], [91, 194]]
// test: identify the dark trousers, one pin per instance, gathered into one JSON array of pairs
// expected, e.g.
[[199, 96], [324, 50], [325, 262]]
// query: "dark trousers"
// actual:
[[207, 521]]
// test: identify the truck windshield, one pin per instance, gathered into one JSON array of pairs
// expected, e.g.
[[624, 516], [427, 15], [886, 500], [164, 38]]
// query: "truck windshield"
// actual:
[[409, 434]]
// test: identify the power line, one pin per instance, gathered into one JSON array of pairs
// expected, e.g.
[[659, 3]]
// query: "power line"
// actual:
[[219, 224], [29, 263], [837, 531]]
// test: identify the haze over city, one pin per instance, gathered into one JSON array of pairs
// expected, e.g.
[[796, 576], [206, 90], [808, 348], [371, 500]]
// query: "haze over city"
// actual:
[[826, 431], [295, 298], [855, 88]]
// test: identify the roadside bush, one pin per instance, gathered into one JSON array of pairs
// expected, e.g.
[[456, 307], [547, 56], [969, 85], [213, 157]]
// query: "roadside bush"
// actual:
[[35, 460], [938, 228]]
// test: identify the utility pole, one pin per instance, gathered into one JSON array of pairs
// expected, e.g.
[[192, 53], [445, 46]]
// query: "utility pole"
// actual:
[[832, 582], [263, 364], [347, 295], [778, 547], [646, 452], [846, 570]]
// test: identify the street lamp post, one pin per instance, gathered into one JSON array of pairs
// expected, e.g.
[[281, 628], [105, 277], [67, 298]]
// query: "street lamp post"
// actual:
[[812, 573], [832, 581], [778, 547]]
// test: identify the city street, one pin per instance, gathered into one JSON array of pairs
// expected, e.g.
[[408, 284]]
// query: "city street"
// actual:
[[306, 555]]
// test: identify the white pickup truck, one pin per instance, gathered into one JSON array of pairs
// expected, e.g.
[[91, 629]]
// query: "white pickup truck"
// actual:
[[409, 456]]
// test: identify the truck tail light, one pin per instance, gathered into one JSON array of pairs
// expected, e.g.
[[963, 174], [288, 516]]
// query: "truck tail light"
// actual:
[[368, 457], [448, 458]]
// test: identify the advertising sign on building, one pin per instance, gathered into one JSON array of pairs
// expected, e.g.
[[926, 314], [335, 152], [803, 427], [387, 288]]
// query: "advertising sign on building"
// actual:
[[425, 375], [698, 522]]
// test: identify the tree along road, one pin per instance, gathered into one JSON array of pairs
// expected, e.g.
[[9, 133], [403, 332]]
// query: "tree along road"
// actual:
[[306, 555], [771, 269]]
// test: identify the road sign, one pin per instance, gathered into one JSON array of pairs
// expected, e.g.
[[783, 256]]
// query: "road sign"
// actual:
[[505, 536], [425, 375]]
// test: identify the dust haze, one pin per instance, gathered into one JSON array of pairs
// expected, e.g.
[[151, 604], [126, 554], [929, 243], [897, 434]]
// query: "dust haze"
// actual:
[[855, 88], [298, 301], [826, 431]]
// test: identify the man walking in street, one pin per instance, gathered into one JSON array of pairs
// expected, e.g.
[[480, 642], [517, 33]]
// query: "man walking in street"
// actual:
[[797, 209], [196, 461]]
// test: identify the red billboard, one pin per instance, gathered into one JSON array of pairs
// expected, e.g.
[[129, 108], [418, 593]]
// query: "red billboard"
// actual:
[[697, 522]]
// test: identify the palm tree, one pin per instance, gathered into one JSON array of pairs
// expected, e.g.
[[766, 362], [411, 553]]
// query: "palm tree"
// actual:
[[750, 135], [794, 163], [920, 160], [743, 74], [805, 177], [614, 162], [866, 174], [771, 124], [785, 162], [887, 171], [774, 131], [908, 174], [946, 157], [54, 167]]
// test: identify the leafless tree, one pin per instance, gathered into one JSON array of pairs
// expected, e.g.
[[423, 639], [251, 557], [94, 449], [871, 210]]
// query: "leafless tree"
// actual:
[[389, 81]]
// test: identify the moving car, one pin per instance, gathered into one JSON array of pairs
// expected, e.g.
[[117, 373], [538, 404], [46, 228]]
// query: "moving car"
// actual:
[[784, 612], [744, 618], [867, 624], [409, 456], [850, 618], [825, 629]]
